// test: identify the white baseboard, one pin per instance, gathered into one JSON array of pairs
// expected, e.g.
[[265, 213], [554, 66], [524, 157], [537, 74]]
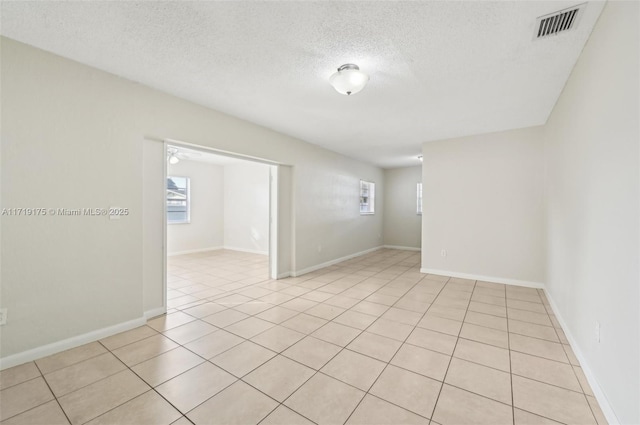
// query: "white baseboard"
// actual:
[[193, 251], [297, 273], [250, 251], [403, 248], [599, 394], [506, 281], [150, 314], [66, 344], [284, 275]]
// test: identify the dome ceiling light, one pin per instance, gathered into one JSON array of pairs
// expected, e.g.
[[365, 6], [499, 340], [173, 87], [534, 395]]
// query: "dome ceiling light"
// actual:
[[173, 159], [349, 79]]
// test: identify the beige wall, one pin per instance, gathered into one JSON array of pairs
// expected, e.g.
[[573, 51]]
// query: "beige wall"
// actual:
[[483, 204], [246, 207], [154, 202], [206, 228], [402, 224], [592, 171], [72, 136], [559, 205]]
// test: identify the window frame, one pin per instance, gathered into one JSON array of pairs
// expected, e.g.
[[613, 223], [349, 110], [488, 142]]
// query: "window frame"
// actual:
[[187, 200], [370, 204]]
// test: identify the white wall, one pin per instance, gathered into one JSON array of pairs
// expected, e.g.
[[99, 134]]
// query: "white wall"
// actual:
[[483, 204], [72, 136], [69, 140], [592, 172], [402, 224], [246, 207], [206, 229], [154, 202], [327, 210]]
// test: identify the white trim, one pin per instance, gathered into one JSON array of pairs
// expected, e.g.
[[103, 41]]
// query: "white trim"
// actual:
[[250, 251], [297, 273], [403, 248], [193, 251], [599, 394], [66, 344], [150, 314], [201, 148], [506, 281], [274, 172], [165, 226]]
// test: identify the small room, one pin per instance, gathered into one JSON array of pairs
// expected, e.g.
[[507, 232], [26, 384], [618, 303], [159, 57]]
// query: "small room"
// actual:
[[218, 220]]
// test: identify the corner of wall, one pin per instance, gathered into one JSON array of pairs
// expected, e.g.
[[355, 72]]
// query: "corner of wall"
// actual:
[[598, 392]]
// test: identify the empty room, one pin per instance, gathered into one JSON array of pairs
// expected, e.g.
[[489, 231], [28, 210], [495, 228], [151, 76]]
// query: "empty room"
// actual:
[[320, 212]]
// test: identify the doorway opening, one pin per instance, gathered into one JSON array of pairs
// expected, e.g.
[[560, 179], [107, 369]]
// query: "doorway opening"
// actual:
[[220, 223]]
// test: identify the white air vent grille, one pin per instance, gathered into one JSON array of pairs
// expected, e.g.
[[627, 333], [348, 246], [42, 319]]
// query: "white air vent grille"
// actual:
[[558, 22]]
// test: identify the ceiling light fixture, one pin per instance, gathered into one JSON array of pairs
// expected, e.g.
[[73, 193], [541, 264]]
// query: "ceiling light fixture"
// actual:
[[173, 159], [349, 79]]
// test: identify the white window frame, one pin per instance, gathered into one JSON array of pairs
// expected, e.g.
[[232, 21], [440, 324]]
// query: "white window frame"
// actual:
[[419, 198], [187, 201], [367, 197]]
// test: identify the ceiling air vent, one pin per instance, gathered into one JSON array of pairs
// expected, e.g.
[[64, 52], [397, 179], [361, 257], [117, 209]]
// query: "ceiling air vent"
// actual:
[[557, 22]]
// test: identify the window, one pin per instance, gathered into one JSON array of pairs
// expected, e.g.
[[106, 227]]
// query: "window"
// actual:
[[178, 200], [419, 198], [367, 197]]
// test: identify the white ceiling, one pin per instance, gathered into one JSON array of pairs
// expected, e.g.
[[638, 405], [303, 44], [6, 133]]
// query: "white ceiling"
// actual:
[[438, 69]]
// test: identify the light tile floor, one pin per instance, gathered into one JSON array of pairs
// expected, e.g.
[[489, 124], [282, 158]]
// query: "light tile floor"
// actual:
[[367, 341]]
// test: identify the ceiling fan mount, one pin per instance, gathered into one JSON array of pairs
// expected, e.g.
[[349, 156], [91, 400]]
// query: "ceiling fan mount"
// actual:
[[175, 155]]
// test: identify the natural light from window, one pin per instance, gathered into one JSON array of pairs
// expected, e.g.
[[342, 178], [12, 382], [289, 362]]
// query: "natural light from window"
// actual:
[[178, 200], [367, 197]]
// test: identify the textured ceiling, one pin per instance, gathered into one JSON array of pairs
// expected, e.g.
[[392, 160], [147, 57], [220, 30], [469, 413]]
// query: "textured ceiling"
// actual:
[[438, 69]]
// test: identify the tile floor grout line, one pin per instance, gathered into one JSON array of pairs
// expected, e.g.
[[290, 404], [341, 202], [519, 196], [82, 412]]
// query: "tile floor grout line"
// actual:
[[91, 383], [512, 308], [25, 381], [513, 407], [94, 382], [433, 351], [280, 324], [453, 352], [498, 346], [154, 388], [99, 380], [72, 364], [362, 300], [317, 289], [396, 352], [396, 279], [343, 348], [285, 407], [151, 387], [50, 390], [537, 414], [577, 378]]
